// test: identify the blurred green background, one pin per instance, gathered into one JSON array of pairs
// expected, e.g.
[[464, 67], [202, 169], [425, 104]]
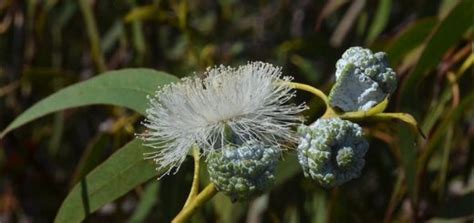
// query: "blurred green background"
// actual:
[[46, 45]]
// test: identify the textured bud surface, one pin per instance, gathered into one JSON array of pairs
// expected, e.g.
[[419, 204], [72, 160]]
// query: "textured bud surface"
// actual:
[[363, 79], [332, 151], [245, 171]]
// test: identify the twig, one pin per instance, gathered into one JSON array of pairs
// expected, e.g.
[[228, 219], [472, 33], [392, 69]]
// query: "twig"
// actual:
[[195, 185], [195, 204]]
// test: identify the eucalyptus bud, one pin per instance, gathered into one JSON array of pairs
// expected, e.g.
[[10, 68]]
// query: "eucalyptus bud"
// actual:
[[332, 151], [242, 172], [363, 79]]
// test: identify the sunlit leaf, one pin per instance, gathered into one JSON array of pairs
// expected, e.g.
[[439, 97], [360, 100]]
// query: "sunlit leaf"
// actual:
[[307, 69], [119, 174], [407, 118], [287, 168], [127, 87], [410, 38], [329, 8], [226, 210], [447, 33], [91, 157], [319, 207], [148, 199], [452, 117], [380, 20], [142, 13], [379, 108], [407, 142]]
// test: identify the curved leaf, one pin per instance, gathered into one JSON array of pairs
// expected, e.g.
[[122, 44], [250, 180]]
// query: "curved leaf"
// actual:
[[447, 33], [147, 201], [409, 39], [459, 207], [127, 87], [286, 169], [379, 108], [116, 176], [142, 13], [380, 20]]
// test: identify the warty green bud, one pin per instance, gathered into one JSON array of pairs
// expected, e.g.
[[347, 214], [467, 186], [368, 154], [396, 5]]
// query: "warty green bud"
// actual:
[[242, 172], [363, 79], [332, 151]]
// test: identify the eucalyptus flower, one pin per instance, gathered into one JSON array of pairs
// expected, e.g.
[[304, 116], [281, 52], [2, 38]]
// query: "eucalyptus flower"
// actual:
[[249, 102], [363, 79]]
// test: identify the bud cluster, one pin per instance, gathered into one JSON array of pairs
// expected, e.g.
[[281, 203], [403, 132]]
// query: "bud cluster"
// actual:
[[244, 171], [363, 79], [332, 151]]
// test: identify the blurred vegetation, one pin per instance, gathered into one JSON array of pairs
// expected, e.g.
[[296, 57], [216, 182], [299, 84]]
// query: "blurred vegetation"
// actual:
[[47, 45]]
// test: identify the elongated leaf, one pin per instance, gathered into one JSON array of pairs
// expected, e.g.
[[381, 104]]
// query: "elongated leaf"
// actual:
[[286, 169], [307, 69], [148, 200], [379, 108], [127, 87], [119, 174], [141, 13], [91, 157], [226, 210], [452, 117], [409, 39], [380, 20], [319, 207], [405, 117], [458, 208], [407, 142], [448, 32]]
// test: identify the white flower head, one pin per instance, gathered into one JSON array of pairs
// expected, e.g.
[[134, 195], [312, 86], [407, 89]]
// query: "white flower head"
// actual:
[[248, 100]]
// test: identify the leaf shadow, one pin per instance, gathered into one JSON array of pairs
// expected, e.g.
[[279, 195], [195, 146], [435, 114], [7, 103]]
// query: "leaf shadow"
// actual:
[[85, 197]]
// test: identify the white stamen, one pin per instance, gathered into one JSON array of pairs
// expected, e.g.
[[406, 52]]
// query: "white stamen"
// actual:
[[246, 99]]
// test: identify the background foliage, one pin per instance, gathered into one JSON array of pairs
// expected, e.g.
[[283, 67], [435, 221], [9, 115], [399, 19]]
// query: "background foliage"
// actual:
[[48, 45]]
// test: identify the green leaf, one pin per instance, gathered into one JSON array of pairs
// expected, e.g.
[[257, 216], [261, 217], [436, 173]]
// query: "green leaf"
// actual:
[[407, 142], [307, 69], [112, 36], [119, 174], [405, 117], [446, 35], [142, 13], [458, 207], [379, 108], [409, 39], [380, 20], [286, 169], [452, 117], [148, 200], [127, 87], [92, 156], [226, 210], [319, 207]]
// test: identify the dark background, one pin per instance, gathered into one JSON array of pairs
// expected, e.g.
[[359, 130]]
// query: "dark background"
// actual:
[[46, 45]]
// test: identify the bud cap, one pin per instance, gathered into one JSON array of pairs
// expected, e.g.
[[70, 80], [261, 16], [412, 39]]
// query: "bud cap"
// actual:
[[363, 79]]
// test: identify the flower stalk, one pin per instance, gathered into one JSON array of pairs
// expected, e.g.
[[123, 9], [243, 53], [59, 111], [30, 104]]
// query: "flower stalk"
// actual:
[[195, 185], [195, 204], [329, 113], [376, 113]]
